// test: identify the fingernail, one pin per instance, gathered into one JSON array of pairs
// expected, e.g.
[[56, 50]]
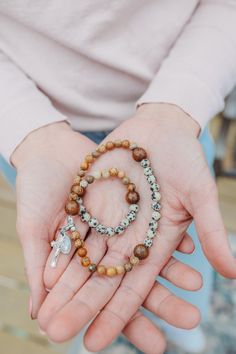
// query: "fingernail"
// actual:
[[30, 307]]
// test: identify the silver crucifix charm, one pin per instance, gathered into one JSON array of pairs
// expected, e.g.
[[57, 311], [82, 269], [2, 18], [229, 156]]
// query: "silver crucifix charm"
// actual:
[[61, 245]]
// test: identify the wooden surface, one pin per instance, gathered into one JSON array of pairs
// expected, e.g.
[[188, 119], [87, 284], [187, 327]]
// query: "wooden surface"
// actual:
[[18, 334]]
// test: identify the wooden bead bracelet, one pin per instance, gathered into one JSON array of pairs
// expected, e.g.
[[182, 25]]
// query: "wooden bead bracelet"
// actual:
[[73, 205]]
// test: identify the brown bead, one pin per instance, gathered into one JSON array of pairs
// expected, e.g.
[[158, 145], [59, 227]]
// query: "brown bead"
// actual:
[[128, 267], [89, 158], [111, 271], [120, 269], [92, 268], [73, 196], [131, 187], [81, 173], [125, 144], [134, 260], [110, 145], [132, 197], [121, 174], [139, 154], [79, 243], [118, 143], [89, 179], [82, 252], [71, 207], [125, 180], [141, 252], [101, 149], [96, 154], [101, 269], [113, 172], [75, 235], [84, 166], [76, 188], [77, 180], [85, 261]]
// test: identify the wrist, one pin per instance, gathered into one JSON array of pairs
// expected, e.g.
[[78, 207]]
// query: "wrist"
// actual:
[[38, 141], [169, 116]]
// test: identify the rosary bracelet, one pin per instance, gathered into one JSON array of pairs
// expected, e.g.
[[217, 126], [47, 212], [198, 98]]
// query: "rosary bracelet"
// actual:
[[75, 206]]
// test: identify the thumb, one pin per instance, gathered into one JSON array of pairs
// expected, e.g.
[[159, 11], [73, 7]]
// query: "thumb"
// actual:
[[36, 249], [210, 227]]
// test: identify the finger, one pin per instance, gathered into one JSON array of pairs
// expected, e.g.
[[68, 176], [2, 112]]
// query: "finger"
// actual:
[[210, 228], [88, 301], [52, 275], [171, 308], [36, 250], [187, 245], [140, 331], [181, 275], [70, 281]]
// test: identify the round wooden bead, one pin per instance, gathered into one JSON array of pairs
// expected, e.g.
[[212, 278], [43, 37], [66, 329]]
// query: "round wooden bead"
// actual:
[[75, 235], [85, 261], [96, 154], [141, 252], [139, 154], [125, 144], [110, 145], [113, 172], [82, 252], [71, 207], [89, 158], [131, 187], [132, 197], [120, 269], [89, 179], [79, 243], [101, 269], [118, 143], [121, 174], [73, 196], [128, 267], [92, 267], [84, 166], [76, 188], [134, 260], [125, 180], [111, 271], [81, 173], [105, 174], [77, 180], [101, 149]]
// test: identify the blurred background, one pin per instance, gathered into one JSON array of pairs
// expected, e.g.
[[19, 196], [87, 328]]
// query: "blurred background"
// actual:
[[20, 335]]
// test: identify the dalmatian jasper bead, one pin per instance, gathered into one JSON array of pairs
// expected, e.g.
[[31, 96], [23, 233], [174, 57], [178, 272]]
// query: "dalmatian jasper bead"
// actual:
[[85, 217], [84, 183], [131, 216], [79, 200], [119, 230], [150, 233], [156, 215], [151, 179], [125, 222], [156, 196], [148, 171], [101, 229], [156, 206], [153, 225], [110, 231], [133, 207], [155, 187], [148, 242], [145, 163], [82, 209], [93, 222]]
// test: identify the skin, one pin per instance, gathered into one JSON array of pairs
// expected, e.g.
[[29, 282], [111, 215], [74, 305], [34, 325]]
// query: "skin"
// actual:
[[46, 162]]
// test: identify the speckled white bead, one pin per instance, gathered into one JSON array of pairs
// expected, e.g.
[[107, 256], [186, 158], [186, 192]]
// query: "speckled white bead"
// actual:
[[110, 231], [93, 222], [156, 206], [150, 233], [85, 217], [156, 196], [134, 207], [125, 222], [156, 215], [148, 171], [148, 242], [151, 179], [145, 163]]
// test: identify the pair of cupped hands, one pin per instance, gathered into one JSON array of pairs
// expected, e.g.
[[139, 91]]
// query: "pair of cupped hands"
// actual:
[[66, 298]]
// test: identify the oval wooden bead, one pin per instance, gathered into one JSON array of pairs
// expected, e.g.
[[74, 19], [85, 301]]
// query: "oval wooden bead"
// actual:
[[141, 252], [101, 269], [76, 188], [82, 252], [132, 197], [71, 207], [85, 261], [111, 271], [139, 154]]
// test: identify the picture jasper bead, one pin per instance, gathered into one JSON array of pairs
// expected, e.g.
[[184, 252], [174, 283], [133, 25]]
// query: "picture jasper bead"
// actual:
[[82, 252], [71, 207], [141, 252], [79, 243], [75, 235], [101, 269], [111, 271], [132, 197], [139, 154], [76, 188], [128, 267], [85, 261], [110, 145]]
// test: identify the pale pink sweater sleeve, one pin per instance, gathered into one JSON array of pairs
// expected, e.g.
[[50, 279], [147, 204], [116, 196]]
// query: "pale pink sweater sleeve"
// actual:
[[200, 70], [23, 107]]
